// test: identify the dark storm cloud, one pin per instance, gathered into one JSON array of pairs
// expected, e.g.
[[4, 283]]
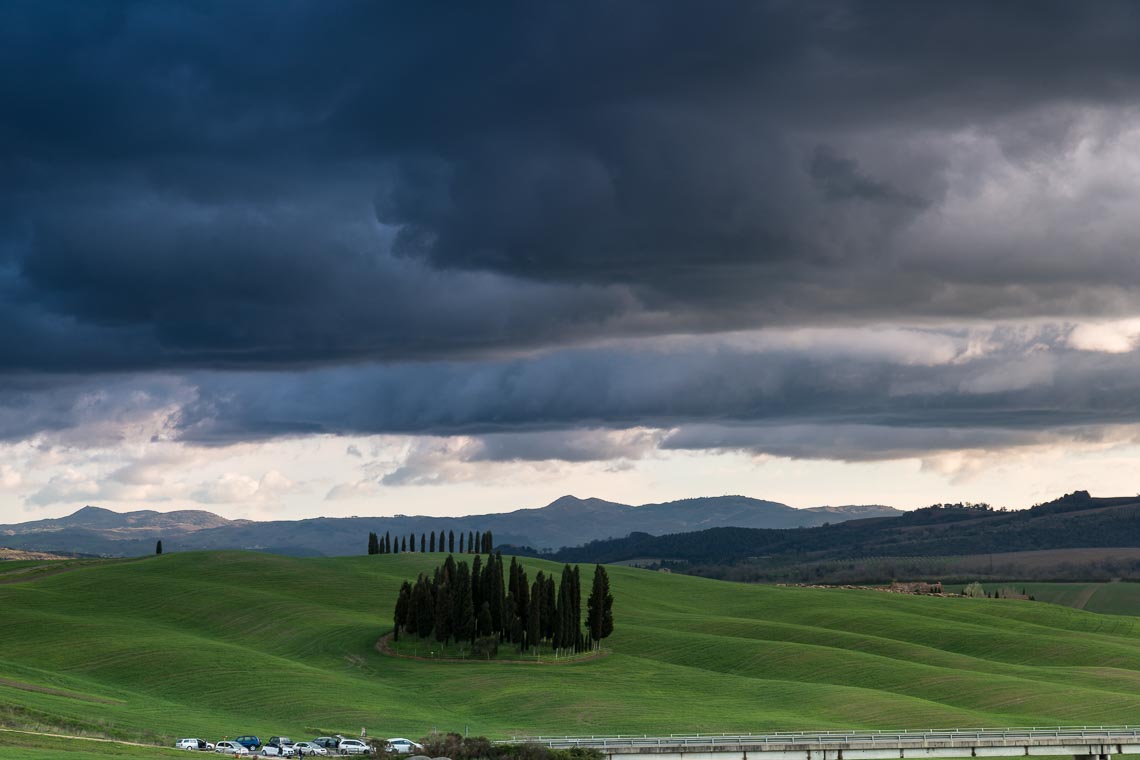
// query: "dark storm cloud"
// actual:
[[298, 183], [437, 219]]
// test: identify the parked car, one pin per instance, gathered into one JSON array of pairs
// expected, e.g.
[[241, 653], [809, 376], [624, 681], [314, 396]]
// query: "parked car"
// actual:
[[309, 748], [230, 748], [277, 749], [280, 740], [328, 742], [404, 746], [353, 747], [250, 742], [200, 744]]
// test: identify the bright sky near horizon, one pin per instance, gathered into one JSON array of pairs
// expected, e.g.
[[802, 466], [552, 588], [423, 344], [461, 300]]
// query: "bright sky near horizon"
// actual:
[[285, 260]]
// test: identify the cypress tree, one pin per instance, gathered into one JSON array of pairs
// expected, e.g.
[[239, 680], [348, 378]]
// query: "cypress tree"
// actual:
[[513, 632], [549, 608], [497, 597], [400, 615], [576, 603], [522, 603], [534, 620], [443, 606], [477, 582], [423, 543], [387, 542], [599, 608], [158, 547], [488, 542], [404, 544], [461, 543], [478, 545], [451, 542], [449, 569], [425, 620], [470, 542], [483, 622], [462, 610], [373, 543], [411, 542], [431, 546]]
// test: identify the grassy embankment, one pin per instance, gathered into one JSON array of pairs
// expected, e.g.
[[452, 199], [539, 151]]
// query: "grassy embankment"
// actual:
[[229, 643]]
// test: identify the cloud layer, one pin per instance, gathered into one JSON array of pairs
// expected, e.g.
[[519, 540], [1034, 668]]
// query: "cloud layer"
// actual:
[[845, 230]]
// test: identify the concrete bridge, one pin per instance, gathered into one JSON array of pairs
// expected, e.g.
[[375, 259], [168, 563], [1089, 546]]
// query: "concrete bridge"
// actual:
[[1084, 742]]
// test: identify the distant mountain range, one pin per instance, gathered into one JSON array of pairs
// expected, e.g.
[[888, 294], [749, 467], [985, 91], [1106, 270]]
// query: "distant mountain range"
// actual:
[[1076, 520], [568, 521]]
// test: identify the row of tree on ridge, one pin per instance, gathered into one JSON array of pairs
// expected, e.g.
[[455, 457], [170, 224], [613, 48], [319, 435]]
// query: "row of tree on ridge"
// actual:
[[477, 542], [484, 606]]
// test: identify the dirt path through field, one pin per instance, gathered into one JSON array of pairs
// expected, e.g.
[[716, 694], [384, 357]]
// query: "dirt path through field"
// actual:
[[1085, 595], [68, 736]]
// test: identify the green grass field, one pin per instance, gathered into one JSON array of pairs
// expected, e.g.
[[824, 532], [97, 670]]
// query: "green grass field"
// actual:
[[1104, 598], [212, 644]]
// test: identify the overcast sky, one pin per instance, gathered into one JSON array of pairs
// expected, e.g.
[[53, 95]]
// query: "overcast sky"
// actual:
[[290, 258]]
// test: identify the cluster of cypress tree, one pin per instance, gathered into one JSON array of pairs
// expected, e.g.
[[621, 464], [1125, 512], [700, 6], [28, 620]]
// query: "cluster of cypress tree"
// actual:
[[476, 542], [484, 602]]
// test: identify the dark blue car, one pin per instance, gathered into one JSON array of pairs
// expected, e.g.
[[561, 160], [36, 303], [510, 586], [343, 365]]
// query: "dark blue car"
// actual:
[[251, 743]]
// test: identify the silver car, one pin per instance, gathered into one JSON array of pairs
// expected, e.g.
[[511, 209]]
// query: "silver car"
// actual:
[[353, 747], [230, 748], [308, 748]]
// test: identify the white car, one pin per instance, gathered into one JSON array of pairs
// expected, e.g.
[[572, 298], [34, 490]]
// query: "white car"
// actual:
[[308, 748], [404, 746], [230, 748], [353, 747], [201, 744]]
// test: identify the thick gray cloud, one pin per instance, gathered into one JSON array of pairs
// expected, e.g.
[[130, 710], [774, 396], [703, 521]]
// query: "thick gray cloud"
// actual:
[[292, 184], [359, 217]]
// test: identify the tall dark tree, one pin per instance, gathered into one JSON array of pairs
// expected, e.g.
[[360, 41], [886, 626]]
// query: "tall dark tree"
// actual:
[[373, 543], [461, 551], [462, 609], [534, 615], [400, 616], [483, 622], [425, 619], [576, 608], [488, 542], [404, 544], [387, 542], [443, 605], [423, 543], [549, 608], [599, 608], [158, 547], [431, 545], [477, 582], [451, 542], [522, 605], [477, 547], [497, 596], [411, 542], [470, 542]]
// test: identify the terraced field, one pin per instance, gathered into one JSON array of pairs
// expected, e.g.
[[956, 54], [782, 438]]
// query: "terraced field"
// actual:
[[212, 644]]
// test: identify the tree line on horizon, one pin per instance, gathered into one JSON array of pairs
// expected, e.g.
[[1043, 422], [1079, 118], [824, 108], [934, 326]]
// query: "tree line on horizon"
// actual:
[[476, 542], [483, 605]]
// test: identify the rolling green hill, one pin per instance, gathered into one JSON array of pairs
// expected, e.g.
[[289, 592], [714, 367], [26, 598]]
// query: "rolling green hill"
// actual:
[[227, 643]]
